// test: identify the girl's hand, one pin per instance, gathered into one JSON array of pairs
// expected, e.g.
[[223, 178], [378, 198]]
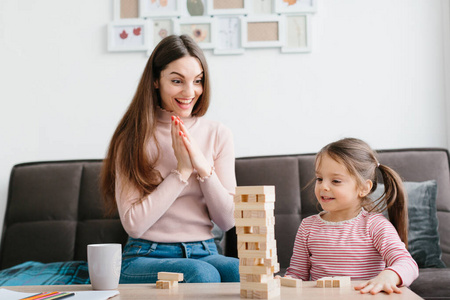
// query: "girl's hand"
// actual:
[[184, 165], [198, 160], [386, 281]]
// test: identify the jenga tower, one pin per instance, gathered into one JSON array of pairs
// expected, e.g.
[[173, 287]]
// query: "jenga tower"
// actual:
[[257, 248]]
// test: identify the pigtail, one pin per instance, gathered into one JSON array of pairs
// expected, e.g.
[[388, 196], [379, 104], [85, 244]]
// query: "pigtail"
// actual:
[[395, 199]]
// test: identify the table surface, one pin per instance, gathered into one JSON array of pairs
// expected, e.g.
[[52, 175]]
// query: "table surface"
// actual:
[[222, 291]]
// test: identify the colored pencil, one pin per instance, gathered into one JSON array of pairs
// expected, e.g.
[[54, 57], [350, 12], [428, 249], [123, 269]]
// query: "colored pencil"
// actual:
[[46, 295], [38, 296], [60, 296]]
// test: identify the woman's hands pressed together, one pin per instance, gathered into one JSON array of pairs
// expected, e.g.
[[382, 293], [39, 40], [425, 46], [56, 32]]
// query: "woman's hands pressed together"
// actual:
[[187, 152], [386, 281]]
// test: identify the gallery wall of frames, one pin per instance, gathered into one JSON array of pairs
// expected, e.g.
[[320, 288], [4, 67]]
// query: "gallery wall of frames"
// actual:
[[224, 26]]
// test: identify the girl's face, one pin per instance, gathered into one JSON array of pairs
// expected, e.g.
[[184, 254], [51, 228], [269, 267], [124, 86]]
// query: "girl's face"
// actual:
[[336, 190], [180, 85]]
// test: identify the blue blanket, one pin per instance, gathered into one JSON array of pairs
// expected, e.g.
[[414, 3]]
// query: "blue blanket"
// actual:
[[36, 273]]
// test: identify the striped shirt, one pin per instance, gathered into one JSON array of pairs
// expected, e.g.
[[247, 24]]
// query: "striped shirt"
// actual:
[[361, 248]]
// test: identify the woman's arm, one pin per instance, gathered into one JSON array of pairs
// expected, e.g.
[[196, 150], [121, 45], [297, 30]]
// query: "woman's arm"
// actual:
[[219, 185], [139, 212]]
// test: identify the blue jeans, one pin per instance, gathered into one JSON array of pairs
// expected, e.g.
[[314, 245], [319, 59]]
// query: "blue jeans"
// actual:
[[198, 261]]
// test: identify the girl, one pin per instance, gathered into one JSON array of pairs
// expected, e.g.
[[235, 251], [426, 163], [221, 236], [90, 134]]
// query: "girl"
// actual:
[[350, 237], [169, 172]]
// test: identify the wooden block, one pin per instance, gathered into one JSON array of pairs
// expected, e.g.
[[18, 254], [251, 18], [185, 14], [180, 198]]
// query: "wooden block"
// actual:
[[263, 230], [170, 276], [251, 262], [166, 284], [266, 294], [255, 222], [271, 284], [255, 270], [291, 282], [269, 253], [321, 281], [265, 198], [255, 190], [238, 214], [341, 281], [252, 198], [247, 214], [276, 268], [254, 206], [255, 277]]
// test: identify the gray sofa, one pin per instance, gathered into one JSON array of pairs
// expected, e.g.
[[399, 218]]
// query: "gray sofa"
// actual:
[[59, 201]]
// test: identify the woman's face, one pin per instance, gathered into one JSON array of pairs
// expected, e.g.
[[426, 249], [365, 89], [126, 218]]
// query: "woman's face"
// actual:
[[180, 85]]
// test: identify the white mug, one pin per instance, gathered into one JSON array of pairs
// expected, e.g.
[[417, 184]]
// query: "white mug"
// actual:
[[104, 262]]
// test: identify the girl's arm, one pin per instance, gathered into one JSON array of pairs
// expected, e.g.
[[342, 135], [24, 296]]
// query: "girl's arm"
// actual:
[[401, 267], [300, 263]]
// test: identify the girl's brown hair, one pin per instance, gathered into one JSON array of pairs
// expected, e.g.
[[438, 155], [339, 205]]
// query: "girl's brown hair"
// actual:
[[128, 147], [362, 163]]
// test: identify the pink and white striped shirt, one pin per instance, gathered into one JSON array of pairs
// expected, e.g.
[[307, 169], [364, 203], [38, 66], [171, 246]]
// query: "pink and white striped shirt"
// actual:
[[361, 248]]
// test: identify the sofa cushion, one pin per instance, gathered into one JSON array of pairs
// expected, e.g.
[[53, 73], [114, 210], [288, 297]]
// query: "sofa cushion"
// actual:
[[432, 283], [423, 238]]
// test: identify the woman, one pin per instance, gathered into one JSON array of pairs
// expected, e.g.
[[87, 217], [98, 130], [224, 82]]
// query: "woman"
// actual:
[[169, 172]]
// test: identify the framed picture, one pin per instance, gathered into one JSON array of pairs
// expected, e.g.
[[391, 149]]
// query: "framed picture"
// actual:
[[161, 29], [194, 8], [262, 31], [128, 35], [160, 8], [261, 7], [126, 9], [227, 37], [298, 33], [294, 6], [200, 29], [228, 7]]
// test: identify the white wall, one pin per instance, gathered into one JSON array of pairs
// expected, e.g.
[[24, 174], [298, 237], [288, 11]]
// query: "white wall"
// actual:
[[376, 71]]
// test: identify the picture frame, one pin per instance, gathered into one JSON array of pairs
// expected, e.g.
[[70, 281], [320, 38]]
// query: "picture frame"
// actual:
[[297, 33], [295, 6], [227, 37], [261, 7], [125, 9], [194, 8], [160, 8], [129, 35], [160, 28], [200, 29], [228, 7], [262, 31]]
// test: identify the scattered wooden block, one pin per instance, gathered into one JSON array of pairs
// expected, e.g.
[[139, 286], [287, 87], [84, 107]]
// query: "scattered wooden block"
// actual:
[[170, 276], [341, 281], [166, 284], [334, 282], [321, 281], [291, 282]]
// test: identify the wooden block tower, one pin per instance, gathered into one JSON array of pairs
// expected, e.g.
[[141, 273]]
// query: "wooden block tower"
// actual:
[[257, 248]]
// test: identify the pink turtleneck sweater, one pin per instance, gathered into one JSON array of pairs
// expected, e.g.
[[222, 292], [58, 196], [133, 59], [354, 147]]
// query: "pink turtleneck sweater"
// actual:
[[178, 211]]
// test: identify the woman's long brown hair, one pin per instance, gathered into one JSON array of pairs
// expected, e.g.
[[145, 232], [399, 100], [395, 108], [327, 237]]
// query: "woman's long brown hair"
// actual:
[[128, 149], [361, 161]]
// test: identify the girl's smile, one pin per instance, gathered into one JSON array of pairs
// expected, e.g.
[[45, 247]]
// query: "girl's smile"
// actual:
[[336, 190]]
